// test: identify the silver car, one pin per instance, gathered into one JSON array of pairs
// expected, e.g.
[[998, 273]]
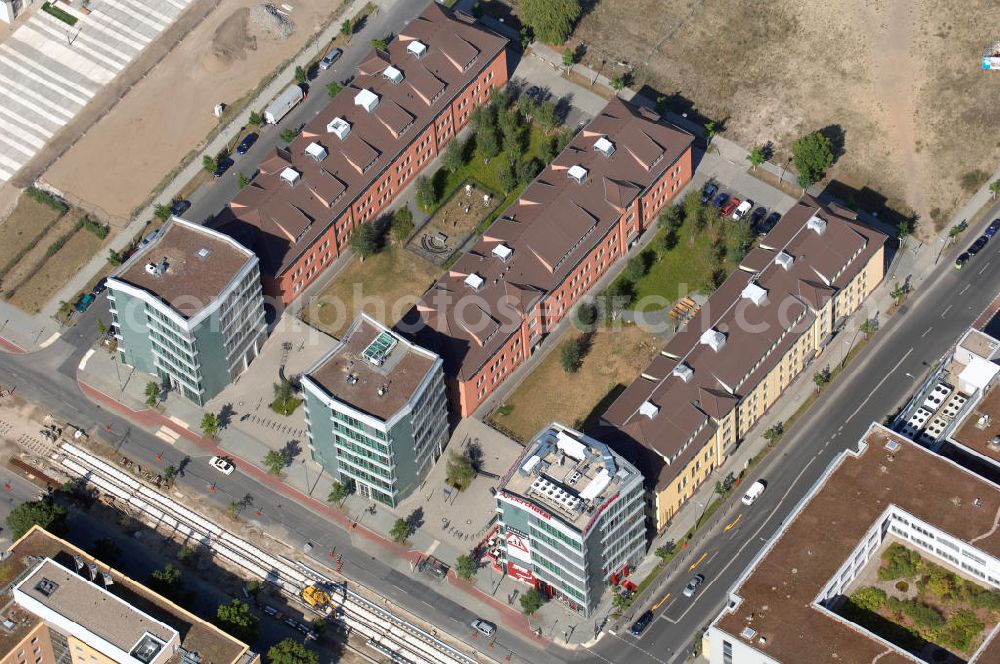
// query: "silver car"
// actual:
[[330, 58], [692, 587], [484, 626]]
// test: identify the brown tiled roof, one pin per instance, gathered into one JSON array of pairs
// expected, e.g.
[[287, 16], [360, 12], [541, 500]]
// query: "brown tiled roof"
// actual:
[[756, 336], [280, 221], [192, 280], [404, 369], [553, 225], [780, 589]]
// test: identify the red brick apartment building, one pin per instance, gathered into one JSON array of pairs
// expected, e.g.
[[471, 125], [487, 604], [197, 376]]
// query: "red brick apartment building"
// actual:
[[581, 214], [352, 159]]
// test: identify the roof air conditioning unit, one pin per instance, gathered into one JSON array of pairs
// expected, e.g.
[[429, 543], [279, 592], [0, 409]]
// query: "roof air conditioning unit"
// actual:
[[339, 127]]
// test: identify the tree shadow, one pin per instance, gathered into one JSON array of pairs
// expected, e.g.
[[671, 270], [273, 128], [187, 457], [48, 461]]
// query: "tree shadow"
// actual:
[[291, 450], [415, 519], [226, 414], [474, 452], [182, 466], [563, 107], [359, 25], [837, 137]]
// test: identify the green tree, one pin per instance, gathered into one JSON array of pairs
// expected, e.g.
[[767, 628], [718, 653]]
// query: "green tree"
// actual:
[[586, 314], [822, 378], [665, 551], [710, 131], [693, 207], [531, 601], [167, 581], [236, 619], [300, 75], [102, 328], [460, 472], [903, 230], [618, 82], [380, 44], [620, 600], [170, 474], [995, 188], [256, 119], [402, 223], [288, 134], [453, 158], [291, 651], [426, 193], [44, 513], [661, 104], [340, 491], [152, 393], [567, 57], [869, 599], [550, 20], [546, 115], [210, 424], [333, 89], [739, 239], [812, 155], [209, 163], [775, 432], [756, 157], [284, 402], [162, 212], [400, 531], [570, 356], [897, 293], [242, 181], [346, 28], [487, 143], [114, 258], [275, 461], [868, 327], [465, 567], [507, 178], [365, 240]]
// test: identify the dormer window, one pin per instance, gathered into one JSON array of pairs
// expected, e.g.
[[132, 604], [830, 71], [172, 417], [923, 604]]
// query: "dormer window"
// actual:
[[649, 409], [713, 339], [316, 151], [604, 146], [474, 281], [816, 224], [578, 173], [503, 252], [291, 176], [684, 372], [417, 49], [755, 293], [785, 260], [366, 99], [339, 127], [393, 74]]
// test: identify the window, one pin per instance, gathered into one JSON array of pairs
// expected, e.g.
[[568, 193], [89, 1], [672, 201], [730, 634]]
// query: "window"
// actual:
[[727, 652]]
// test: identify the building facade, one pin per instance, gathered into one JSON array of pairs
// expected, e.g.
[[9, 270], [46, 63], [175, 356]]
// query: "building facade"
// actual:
[[571, 517], [727, 365], [352, 160], [496, 304], [188, 308], [376, 411]]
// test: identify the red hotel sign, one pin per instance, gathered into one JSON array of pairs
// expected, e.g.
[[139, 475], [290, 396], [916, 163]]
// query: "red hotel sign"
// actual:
[[531, 506]]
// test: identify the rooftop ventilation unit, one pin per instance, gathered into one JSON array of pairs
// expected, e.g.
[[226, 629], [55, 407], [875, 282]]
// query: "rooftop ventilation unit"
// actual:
[[393, 74], [46, 587], [503, 252], [684, 372], [785, 260], [649, 409], [417, 48], [339, 127], [604, 146], [755, 293], [578, 173], [891, 445], [316, 151], [203, 253], [714, 339], [380, 347], [474, 281], [291, 176], [748, 633], [816, 224], [157, 269], [366, 99]]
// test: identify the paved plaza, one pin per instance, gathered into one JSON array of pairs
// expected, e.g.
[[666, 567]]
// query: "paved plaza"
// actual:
[[50, 70]]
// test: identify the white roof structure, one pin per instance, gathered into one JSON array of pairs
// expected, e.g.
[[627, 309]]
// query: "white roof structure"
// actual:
[[366, 99], [649, 409], [577, 172], [316, 151], [339, 127], [755, 293], [290, 175], [604, 146], [417, 48], [474, 281], [978, 374], [393, 74], [570, 446], [785, 260], [684, 372], [713, 339], [502, 251], [597, 485]]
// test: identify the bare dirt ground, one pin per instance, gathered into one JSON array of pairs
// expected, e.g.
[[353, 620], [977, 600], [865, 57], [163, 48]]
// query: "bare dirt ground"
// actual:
[[170, 112], [899, 80], [35, 292]]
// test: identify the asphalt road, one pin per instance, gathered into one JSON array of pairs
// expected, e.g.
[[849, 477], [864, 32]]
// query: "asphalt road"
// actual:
[[212, 197]]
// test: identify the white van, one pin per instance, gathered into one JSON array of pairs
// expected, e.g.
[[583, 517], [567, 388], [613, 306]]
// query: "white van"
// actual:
[[753, 493]]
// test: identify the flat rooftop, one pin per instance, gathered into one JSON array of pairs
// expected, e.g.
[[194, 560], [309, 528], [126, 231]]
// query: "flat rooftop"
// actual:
[[212, 644], [86, 603], [980, 431], [779, 590], [187, 266], [373, 370], [568, 474]]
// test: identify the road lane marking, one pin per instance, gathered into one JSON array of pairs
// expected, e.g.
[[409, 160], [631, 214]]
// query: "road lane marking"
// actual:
[[731, 525], [660, 603], [51, 340], [698, 562], [926, 332], [884, 378], [967, 287], [642, 650], [984, 267], [83, 360], [946, 309]]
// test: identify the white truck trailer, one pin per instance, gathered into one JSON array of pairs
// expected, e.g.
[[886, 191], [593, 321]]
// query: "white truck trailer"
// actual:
[[282, 104]]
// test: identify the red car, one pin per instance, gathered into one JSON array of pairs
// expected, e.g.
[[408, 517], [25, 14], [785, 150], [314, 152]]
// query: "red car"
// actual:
[[728, 208]]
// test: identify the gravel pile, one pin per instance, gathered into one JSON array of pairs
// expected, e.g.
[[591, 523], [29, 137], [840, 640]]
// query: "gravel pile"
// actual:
[[269, 21]]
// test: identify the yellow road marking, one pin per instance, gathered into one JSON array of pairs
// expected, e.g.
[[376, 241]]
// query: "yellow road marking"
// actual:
[[735, 521], [698, 562], [660, 603]]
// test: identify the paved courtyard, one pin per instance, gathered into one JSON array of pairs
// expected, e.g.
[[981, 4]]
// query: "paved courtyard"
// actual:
[[49, 70]]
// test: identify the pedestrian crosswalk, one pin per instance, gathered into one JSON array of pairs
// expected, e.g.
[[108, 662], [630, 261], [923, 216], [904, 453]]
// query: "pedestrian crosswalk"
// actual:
[[50, 70]]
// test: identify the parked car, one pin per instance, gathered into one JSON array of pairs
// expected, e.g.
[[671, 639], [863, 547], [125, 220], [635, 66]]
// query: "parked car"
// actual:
[[962, 259], [730, 207], [770, 222], [221, 464], [640, 625], [330, 58], [978, 245], [222, 167], [100, 286], [246, 143], [179, 207], [484, 626], [753, 493], [757, 216], [993, 228], [710, 190], [720, 200], [742, 210], [84, 303], [692, 587]]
